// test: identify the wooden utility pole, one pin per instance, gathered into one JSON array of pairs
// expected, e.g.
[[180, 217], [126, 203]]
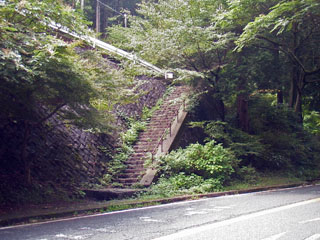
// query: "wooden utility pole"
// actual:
[[82, 5], [125, 20], [98, 17]]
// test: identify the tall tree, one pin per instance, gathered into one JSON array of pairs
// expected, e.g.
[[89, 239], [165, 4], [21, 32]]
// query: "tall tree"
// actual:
[[180, 35], [291, 27], [42, 75], [199, 37]]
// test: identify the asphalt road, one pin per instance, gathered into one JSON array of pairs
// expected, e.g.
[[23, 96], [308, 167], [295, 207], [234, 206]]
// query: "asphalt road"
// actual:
[[282, 214]]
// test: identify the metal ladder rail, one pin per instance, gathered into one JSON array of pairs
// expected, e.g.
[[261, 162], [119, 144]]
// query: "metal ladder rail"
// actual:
[[108, 47], [105, 46]]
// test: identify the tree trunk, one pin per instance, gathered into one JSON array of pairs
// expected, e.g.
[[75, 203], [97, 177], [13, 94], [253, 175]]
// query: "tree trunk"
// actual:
[[293, 87], [242, 105], [300, 87], [298, 106], [222, 110], [218, 107], [243, 113], [24, 154], [280, 97], [98, 13]]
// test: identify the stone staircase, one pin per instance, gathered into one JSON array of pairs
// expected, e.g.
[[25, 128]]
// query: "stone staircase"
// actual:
[[150, 142]]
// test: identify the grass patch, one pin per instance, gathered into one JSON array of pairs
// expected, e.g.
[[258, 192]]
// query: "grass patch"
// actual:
[[264, 180]]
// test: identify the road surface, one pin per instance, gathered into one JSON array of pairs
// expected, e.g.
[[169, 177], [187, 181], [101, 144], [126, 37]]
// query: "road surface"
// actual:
[[281, 214]]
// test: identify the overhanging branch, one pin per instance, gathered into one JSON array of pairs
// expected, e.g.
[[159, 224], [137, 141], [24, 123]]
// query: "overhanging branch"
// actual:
[[57, 108]]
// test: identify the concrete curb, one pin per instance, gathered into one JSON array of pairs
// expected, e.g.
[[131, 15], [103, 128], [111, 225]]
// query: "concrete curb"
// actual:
[[85, 210]]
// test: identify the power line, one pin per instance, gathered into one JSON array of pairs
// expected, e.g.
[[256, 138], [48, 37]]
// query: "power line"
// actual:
[[110, 8]]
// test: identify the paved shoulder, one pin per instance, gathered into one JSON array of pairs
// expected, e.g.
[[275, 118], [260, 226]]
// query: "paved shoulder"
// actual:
[[280, 214]]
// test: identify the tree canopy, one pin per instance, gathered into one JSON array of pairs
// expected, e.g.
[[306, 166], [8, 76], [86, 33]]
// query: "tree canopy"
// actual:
[[231, 45], [43, 73]]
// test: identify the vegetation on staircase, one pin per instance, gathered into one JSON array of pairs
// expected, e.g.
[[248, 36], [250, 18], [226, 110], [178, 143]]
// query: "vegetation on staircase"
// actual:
[[256, 63], [151, 137]]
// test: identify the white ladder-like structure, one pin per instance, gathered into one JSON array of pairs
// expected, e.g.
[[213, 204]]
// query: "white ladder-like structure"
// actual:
[[98, 43]]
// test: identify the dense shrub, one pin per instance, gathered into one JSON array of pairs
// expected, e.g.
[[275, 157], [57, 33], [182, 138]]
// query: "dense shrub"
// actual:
[[287, 144], [276, 140], [184, 184], [265, 115], [311, 122], [197, 168], [247, 148], [209, 161]]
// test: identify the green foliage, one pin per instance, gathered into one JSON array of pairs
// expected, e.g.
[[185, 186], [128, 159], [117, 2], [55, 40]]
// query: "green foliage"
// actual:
[[42, 75], [198, 168], [209, 161], [265, 115], [38, 69], [247, 174], [276, 139], [279, 19], [287, 144], [131, 135], [311, 122], [183, 184], [106, 179], [128, 138], [183, 33], [247, 148]]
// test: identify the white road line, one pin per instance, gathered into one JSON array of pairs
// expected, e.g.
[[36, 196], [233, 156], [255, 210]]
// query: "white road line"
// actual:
[[212, 209], [311, 220], [224, 207], [195, 213], [149, 219], [191, 211], [313, 237], [275, 237], [154, 207], [192, 231]]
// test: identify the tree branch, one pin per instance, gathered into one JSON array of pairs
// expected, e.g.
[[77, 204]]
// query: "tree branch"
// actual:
[[51, 114], [264, 47], [269, 40], [313, 81], [308, 73], [190, 62]]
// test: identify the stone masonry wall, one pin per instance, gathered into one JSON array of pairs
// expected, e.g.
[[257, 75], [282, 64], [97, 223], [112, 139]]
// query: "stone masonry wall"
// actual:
[[151, 90], [64, 156]]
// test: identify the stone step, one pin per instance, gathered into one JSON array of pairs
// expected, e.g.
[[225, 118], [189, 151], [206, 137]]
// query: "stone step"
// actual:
[[140, 151], [138, 156], [134, 170], [155, 125], [128, 180], [144, 146], [148, 140], [134, 158], [130, 175], [162, 123], [134, 166], [165, 114], [152, 132], [144, 149], [134, 162]]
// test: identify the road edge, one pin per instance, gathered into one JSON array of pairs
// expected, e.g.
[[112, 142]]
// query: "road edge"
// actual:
[[35, 218]]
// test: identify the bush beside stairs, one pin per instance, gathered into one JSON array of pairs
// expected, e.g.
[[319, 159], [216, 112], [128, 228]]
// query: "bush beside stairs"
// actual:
[[154, 141]]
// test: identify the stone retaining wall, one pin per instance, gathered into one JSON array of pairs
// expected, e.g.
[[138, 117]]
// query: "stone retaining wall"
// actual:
[[151, 90], [65, 156]]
